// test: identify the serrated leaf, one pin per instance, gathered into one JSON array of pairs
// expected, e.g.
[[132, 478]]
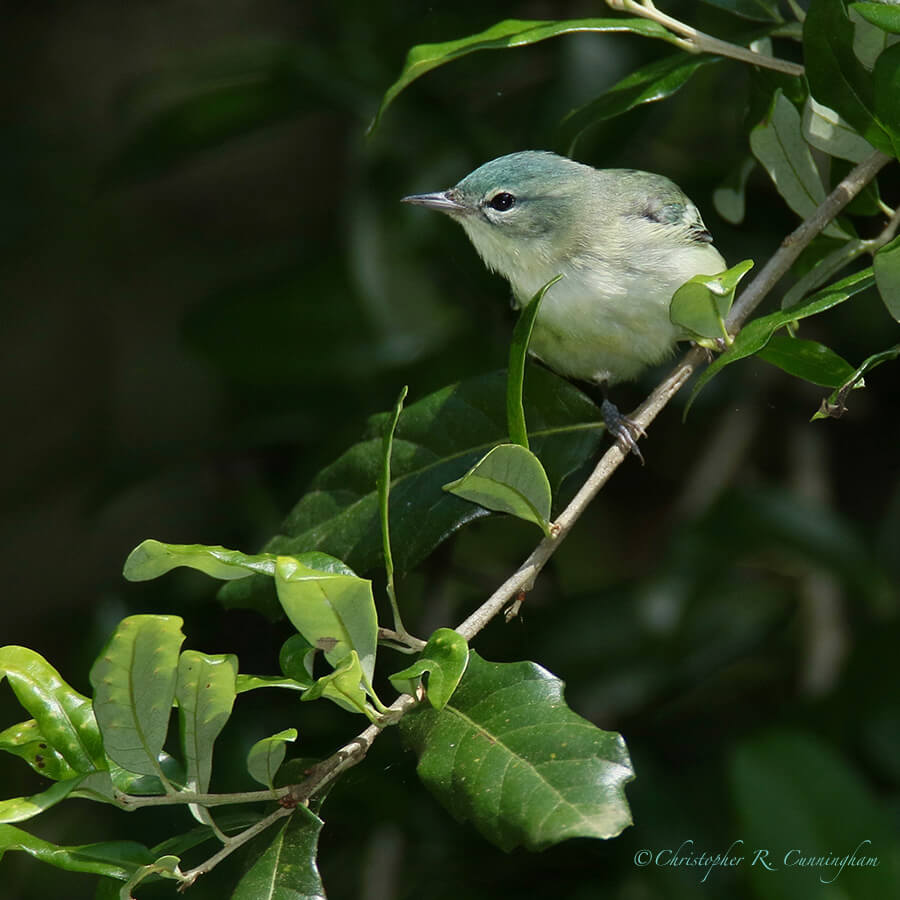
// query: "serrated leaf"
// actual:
[[134, 686], [886, 265], [27, 741], [205, 692], [509, 479], [444, 658], [837, 79], [335, 612], [347, 686], [757, 10], [701, 304], [778, 144], [809, 360], [792, 791], [267, 755], [757, 332], [828, 132], [437, 437], [150, 559], [286, 869], [508, 755], [112, 859], [506, 34], [63, 716], [654, 81]]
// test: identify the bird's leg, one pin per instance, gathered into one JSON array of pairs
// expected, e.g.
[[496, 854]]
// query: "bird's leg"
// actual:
[[620, 427]]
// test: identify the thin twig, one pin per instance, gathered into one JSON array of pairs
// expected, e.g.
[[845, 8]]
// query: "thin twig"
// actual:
[[694, 41], [131, 801]]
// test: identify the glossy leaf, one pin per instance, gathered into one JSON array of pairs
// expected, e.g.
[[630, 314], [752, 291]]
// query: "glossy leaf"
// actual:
[[655, 81], [518, 353], [778, 144], [286, 869], [886, 265], [438, 439], [295, 658], [134, 686], [18, 809], [869, 41], [334, 611], [205, 692], [347, 686], [809, 360], [828, 132], [444, 658], [509, 479], [758, 10], [757, 332], [837, 79], [26, 741], [63, 716], [112, 859], [266, 756], [508, 755], [384, 496], [702, 303], [883, 15], [150, 559], [246, 683], [508, 33], [729, 198], [887, 92], [795, 795], [835, 406]]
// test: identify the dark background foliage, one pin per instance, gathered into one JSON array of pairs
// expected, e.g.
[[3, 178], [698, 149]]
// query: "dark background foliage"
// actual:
[[208, 285]]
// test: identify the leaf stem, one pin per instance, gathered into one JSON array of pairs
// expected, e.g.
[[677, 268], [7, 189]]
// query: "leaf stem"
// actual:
[[694, 41]]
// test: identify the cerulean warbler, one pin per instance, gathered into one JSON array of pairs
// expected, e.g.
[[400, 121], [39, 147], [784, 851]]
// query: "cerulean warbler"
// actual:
[[624, 240]]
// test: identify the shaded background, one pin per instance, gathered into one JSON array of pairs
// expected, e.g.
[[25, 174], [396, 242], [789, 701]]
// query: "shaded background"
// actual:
[[208, 284]]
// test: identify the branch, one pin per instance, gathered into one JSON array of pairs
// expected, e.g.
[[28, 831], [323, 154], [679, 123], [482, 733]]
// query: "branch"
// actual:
[[694, 41]]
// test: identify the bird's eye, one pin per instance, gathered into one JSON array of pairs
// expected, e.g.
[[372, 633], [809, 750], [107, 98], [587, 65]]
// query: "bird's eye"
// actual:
[[502, 201]]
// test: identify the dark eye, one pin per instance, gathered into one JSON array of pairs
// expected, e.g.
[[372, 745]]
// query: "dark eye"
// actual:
[[502, 201]]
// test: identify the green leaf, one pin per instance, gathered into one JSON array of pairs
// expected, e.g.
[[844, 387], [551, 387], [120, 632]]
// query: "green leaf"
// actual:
[[795, 796], [655, 81], [445, 658], [701, 304], [334, 611], [518, 353], [437, 437], [384, 494], [729, 198], [869, 41], [509, 479], [18, 809], [509, 33], [758, 10], [150, 559], [245, 683], [347, 686], [837, 79], [885, 16], [63, 716], [508, 755], [887, 92], [205, 692], [295, 658], [266, 756], [134, 686], [27, 741], [112, 859], [286, 869], [828, 132], [809, 360], [886, 265], [835, 405], [778, 144], [757, 333]]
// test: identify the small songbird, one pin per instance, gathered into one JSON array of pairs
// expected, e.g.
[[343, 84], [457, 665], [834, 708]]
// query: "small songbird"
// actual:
[[624, 240]]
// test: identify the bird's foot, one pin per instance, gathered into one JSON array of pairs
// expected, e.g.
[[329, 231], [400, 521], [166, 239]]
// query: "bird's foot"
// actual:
[[622, 429]]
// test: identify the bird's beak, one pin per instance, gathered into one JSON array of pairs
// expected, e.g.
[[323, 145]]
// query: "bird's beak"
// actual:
[[445, 201]]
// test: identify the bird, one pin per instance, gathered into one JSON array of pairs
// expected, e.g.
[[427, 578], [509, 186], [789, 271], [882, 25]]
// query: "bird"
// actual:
[[623, 239]]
